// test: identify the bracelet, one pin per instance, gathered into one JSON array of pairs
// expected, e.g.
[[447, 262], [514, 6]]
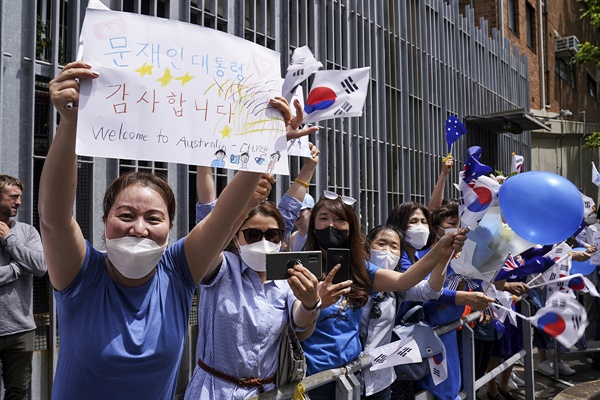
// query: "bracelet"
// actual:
[[315, 309], [301, 182]]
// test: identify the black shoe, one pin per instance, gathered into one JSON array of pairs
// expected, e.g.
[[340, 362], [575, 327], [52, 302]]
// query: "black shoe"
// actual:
[[506, 395]]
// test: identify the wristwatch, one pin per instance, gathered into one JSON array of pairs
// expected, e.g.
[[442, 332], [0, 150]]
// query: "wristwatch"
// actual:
[[316, 308]]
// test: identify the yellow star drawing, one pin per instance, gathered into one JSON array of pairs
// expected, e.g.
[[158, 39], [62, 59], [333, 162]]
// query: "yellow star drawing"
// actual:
[[145, 69], [166, 78], [185, 78], [225, 132]]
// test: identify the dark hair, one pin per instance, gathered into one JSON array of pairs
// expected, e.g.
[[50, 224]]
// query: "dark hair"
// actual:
[[359, 292], [449, 202], [146, 179], [400, 215], [7, 180], [220, 151], [265, 208], [446, 211], [278, 154], [381, 228]]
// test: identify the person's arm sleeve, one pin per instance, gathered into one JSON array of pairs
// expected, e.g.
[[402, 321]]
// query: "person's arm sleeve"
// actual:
[[28, 253], [421, 292], [202, 210], [447, 297], [9, 273], [289, 207]]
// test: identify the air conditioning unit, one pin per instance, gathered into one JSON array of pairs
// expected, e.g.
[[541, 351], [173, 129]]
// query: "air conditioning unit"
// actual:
[[566, 47]]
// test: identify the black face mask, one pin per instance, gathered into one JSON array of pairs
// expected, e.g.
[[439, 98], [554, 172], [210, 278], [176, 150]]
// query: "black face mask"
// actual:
[[331, 237]]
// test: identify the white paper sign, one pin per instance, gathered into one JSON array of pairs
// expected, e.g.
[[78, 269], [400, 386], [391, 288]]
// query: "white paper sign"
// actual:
[[176, 92], [396, 353]]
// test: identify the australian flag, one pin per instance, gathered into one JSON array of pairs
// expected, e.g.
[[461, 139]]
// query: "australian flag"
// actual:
[[535, 265], [454, 130]]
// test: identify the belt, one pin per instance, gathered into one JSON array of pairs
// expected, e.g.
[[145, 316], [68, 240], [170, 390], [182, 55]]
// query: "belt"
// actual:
[[243, 382]]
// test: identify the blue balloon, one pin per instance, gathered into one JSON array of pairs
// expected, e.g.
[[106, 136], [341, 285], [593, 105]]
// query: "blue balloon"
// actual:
[[581, 267], [541, 207]]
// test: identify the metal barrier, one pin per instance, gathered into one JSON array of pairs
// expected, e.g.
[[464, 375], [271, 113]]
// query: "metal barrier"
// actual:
[[349, 388]]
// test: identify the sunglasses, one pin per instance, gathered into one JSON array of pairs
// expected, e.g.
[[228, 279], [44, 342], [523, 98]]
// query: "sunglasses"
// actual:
[[375, 310], [349, 201], [253, 235]]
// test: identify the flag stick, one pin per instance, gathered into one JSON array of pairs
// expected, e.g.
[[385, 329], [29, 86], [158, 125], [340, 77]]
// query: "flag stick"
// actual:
[[508, 309], [531, 281], [564, 278], [448, 262], [496, 274]]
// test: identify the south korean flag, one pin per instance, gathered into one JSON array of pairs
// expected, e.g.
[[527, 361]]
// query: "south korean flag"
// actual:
[[303, 65], [337, 94], [438, 367]]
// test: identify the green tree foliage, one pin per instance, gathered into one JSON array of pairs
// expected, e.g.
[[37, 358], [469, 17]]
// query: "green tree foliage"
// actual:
[[589, 52]]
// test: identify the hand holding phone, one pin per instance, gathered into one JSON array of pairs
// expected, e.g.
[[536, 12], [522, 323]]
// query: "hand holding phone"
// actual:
[[278, 263]]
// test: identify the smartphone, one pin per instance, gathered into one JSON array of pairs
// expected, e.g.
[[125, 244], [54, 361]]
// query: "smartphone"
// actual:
[[278, 263], [342, 257]]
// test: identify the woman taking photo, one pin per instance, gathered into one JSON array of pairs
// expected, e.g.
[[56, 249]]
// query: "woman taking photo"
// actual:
[[335, 340]]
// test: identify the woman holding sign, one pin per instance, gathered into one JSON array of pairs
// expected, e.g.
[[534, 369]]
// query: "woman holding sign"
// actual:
[[333, 226], [124, 314]]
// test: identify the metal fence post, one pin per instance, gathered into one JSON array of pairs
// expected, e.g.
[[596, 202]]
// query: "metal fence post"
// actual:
[[528, 346], [343, 388], [468, 362]]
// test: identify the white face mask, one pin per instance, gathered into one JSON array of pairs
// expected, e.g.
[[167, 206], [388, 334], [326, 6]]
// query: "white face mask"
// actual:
[[417, 236], [134, 257], [384, 259], [255, 254], [591, 219]]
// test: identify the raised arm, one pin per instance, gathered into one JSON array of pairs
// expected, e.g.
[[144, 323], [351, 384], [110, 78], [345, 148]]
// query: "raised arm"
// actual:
[[63, 242], [393, 281], [438, 191]]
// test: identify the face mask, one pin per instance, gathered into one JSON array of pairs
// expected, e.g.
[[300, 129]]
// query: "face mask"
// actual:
[[331, 237], [255, 254], [134, 257], [591, 220], [384, 259], [417, 236]]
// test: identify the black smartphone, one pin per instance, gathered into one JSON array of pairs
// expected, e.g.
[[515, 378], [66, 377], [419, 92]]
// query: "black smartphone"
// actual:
[[342, 257], [278, 263]]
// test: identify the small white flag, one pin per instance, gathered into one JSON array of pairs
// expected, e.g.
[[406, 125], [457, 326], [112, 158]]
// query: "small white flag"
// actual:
[[595, 175], [303, 65], [588, 203], [438, 367], [337, 94], [561, 269], [517, 163], [396, 353]]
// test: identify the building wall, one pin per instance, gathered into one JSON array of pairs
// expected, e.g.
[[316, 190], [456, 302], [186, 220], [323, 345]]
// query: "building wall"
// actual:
[[427, 59], [559, 150]]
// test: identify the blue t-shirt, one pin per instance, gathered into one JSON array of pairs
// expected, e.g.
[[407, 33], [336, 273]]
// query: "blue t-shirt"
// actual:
[[119, 342], [335, 341]]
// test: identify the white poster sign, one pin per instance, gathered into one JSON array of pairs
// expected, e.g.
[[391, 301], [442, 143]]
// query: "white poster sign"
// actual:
[[175, 92]]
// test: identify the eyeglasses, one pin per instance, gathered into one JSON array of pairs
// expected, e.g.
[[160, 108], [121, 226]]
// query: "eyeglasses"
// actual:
[[253, 235], [375, 310], [349, 201]]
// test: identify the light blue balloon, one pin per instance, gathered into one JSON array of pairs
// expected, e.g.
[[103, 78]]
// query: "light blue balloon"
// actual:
[[541, 207], [581, 267]]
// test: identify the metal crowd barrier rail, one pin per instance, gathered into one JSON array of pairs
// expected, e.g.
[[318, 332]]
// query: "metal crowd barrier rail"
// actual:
[[349, 388]]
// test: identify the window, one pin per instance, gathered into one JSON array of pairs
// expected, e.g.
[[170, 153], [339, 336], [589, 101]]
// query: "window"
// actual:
[[513, 18], [565, 71], [592, 87], [530, 25]]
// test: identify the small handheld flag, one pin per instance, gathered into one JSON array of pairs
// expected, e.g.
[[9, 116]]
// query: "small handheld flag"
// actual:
[[454, 130], [517, 163], [337, 94], [595, 175], [303, 65]]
